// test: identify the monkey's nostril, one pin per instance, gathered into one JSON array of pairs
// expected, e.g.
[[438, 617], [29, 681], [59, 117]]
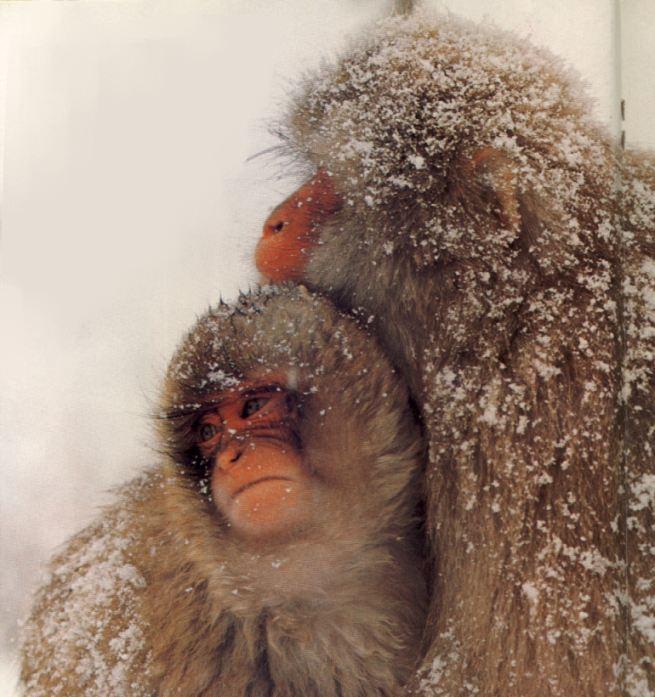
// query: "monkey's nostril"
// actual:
[[229, 456], [278, 227]]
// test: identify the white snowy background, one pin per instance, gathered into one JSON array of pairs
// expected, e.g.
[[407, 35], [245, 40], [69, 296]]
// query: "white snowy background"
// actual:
[[128, 204]]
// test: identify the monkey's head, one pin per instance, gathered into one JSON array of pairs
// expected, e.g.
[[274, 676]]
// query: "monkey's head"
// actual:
[[286, 419], [433, 143]]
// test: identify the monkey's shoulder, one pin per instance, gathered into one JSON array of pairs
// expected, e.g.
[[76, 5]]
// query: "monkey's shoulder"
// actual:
[[86, 631]]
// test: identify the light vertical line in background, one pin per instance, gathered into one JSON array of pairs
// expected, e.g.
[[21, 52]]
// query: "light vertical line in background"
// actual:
[[617, 51], [617, 78], [4, 76]]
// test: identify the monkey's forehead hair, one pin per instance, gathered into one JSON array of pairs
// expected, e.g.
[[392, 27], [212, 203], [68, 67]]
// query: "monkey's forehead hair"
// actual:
[[392, 118], [285, 328]]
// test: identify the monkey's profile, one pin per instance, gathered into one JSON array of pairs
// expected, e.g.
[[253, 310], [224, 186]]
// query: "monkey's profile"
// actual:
[[461, 198], [274, 551]]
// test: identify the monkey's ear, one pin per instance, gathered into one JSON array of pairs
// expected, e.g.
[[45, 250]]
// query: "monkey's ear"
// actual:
[[486, 179]]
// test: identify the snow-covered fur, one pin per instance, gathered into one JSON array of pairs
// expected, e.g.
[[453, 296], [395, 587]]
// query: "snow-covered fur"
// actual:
[[480, 236], [638, 263], [158, 598]]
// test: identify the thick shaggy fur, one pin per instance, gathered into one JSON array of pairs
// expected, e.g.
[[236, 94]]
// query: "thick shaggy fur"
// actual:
[[638, 257], [158, 598], [481, 237]]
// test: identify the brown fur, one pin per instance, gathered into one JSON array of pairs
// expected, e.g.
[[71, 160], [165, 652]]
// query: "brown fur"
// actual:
[[159, 598], [638, 526], [480, 236]]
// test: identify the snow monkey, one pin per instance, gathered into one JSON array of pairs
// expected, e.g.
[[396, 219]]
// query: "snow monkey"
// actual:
[[460, 198], [274, 551]]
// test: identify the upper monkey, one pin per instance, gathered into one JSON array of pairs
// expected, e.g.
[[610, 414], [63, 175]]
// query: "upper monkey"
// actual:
[[273, 552], [463, 199]]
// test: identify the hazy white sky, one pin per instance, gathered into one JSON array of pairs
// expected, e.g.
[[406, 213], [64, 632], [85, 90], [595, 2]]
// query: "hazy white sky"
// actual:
[[128, 205]]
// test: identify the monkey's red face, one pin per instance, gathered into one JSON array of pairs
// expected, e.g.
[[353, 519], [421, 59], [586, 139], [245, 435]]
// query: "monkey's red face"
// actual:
[[258, 478], [290, 233]]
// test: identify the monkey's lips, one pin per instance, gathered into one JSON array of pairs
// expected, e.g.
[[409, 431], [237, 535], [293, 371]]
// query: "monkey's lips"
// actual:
[[255, 482], [240, 490], [264, 505]]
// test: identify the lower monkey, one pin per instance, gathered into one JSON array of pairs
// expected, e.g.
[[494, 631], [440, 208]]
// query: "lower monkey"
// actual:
[[274, 550]]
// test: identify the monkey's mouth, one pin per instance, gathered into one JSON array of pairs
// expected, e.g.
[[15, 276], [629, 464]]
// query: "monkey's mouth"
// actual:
[[255, 482]]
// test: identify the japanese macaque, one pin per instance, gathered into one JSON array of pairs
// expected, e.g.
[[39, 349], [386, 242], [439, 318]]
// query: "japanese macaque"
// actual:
[[463, 202], [275, 551]]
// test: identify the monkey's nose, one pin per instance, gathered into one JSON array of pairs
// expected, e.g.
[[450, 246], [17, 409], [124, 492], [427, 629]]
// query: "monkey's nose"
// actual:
[[229, 455], [276, 226]]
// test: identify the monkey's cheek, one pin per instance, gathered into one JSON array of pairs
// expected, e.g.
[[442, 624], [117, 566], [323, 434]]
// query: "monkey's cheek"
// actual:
[[267, 508]]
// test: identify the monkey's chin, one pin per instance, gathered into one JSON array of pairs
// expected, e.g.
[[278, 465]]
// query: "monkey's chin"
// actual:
[[268, 507]]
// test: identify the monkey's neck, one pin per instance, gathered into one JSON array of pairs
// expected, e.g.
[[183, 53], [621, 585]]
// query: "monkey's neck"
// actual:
[[346, 640], [320, 622], [398, 317]]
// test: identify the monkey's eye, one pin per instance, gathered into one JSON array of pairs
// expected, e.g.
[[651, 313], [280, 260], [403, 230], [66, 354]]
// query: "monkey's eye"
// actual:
[[279, 226], [252, 406], [207, 432]]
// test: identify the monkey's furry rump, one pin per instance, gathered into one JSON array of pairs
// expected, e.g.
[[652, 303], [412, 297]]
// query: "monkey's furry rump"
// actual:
[[157, 598], [477, 187]]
